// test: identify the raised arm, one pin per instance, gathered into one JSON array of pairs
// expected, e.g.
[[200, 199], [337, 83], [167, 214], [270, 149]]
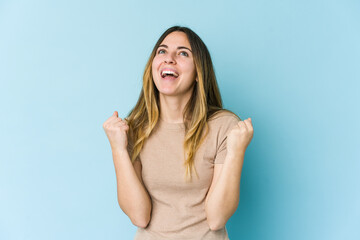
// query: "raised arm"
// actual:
[[132, 196], [224, 193]]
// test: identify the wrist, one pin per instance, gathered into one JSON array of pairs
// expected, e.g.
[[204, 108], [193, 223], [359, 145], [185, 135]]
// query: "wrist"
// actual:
[[119, 151]]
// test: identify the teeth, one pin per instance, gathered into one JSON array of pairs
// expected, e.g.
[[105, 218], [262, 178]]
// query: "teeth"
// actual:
[[169, 72]]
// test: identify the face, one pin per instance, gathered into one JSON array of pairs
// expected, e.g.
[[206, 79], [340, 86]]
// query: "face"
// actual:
[[173, 66]]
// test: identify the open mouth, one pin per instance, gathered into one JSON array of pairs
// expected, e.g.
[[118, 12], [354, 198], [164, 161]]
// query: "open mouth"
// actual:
[[169, 74]]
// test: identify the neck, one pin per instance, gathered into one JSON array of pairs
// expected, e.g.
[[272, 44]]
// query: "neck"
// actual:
[[172, 107]]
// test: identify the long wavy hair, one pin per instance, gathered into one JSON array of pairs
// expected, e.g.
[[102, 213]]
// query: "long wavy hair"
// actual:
[[204, 103]]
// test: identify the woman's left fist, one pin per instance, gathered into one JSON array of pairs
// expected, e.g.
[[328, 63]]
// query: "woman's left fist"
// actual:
[[239, 137]]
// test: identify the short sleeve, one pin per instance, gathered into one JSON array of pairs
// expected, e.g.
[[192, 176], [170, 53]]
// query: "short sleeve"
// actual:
[[225, 125]]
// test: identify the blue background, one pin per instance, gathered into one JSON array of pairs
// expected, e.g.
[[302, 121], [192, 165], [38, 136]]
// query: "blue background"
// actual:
[[292, 66]]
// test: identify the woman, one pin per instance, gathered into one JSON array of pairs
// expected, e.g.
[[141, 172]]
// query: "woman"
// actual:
[[179, 126]]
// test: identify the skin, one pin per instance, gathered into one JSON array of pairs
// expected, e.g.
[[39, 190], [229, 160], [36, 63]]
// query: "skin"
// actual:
[[224, 193], [174, 94], [132, 196], [223, 197]]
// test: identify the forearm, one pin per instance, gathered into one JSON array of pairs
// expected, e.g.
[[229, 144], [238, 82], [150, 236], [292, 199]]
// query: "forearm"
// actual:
[[132, 195], [224, 199]]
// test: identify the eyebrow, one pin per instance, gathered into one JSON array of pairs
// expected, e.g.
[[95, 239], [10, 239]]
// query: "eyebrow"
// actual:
[[180, 47]]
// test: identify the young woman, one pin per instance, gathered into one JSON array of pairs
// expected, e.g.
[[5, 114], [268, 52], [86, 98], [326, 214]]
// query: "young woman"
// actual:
[[177, 128]]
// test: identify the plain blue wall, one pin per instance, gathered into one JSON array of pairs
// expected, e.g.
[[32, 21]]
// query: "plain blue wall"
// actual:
[[292, 66]]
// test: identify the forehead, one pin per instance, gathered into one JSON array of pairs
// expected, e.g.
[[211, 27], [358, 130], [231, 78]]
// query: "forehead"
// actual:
[[176, 39]]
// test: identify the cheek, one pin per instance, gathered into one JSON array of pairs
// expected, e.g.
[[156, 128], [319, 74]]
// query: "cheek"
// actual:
[[155, 65], [191, 69], [194, 70], [190, 65]]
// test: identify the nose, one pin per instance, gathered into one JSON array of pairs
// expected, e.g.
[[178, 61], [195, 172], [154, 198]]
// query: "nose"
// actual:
[[169, 59]]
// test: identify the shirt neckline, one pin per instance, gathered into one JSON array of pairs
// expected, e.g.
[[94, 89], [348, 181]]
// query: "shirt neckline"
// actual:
[[174, 126]]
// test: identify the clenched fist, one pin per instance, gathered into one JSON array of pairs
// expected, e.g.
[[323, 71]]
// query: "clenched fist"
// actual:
[[239, 137], [116, 131]]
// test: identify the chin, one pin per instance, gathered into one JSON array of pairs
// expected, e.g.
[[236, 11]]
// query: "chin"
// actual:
[[167, 92]]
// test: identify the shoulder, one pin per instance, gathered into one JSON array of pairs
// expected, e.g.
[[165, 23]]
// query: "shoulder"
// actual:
[[222, 117], [221, 122]]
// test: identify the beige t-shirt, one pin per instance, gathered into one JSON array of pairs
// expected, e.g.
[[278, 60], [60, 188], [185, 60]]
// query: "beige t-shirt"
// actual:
[[178, 207]]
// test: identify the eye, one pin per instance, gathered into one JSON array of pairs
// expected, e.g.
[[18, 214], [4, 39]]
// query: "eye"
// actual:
[[160, 51], [186, 54]]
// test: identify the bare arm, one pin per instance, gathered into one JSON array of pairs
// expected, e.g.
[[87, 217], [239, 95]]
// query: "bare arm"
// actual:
[[224, 194], [133, 198]]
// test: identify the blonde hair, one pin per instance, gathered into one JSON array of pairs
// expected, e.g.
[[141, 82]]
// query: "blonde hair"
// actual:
[[204, 103]]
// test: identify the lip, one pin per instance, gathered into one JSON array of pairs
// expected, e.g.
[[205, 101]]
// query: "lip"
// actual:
[[169, 69]]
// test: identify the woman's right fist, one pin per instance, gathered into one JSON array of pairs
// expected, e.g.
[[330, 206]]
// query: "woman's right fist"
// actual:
[[116, 131]]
